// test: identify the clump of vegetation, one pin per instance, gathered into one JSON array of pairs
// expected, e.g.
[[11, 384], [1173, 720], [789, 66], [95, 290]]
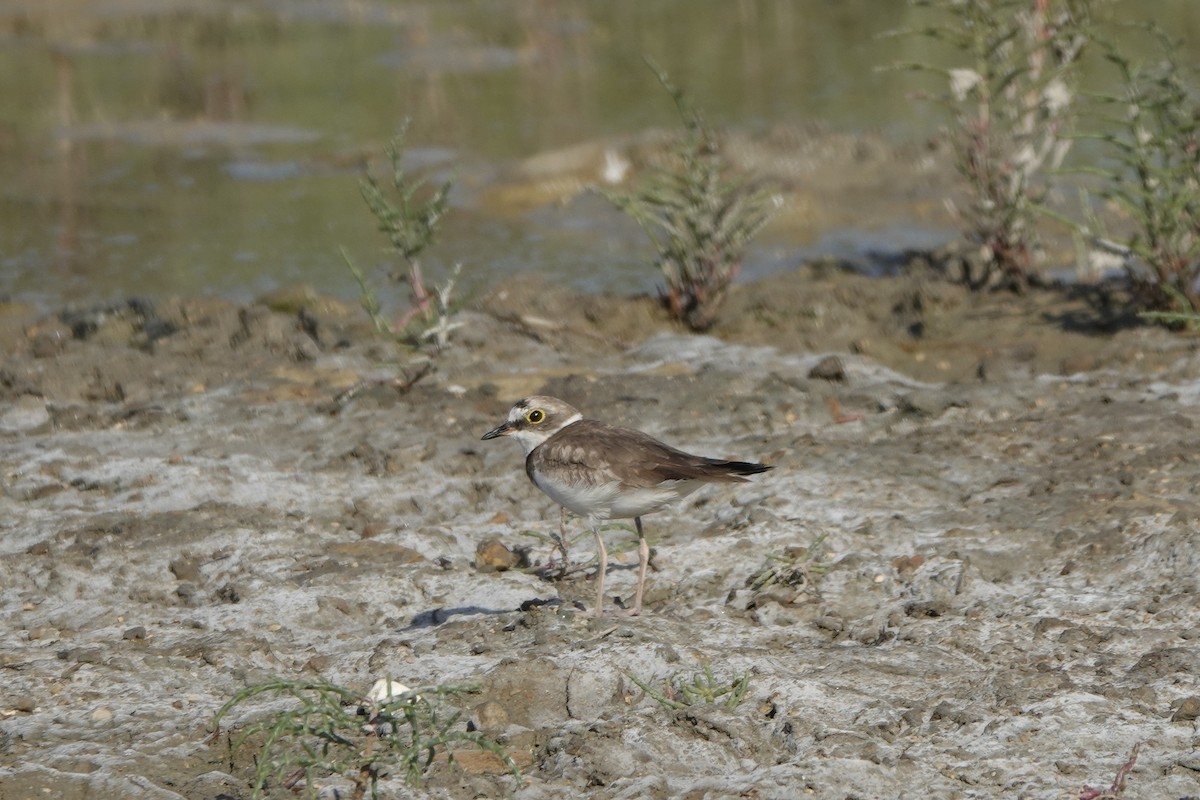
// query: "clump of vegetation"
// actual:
[[797, 567], [561, 543], [699, 221], [1012, 106], [1154, 134], [703, 689], [335, 730], [411, 223]]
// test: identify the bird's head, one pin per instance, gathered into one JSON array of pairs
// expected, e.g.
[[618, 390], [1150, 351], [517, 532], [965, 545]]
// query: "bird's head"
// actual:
[[534, 420]]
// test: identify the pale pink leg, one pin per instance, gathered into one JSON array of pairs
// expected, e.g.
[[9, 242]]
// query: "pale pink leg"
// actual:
[[602, 554], [643, 564]]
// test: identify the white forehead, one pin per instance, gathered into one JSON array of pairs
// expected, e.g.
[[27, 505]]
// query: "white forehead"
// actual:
[[522, 408], [548, 404], [553, 407]]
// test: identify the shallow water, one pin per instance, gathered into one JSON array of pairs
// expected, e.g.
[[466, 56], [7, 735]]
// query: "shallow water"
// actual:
[[197, 147]]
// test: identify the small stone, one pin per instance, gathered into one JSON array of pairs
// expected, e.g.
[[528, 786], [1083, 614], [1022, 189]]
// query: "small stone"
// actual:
[[489, 717], [494, 556], [25, 705], [1188, 710], [186, 568], [328, 602], [102, 714], [81, 655], [317, 664], [26, 414], [372, 529], [590, 694], [769, 611], [49, 342], [136, 633], [926, 608], [45, 490], [943, 710], [829, 368], [1072, 365], [42, 632], [907, 564], [924, 403]]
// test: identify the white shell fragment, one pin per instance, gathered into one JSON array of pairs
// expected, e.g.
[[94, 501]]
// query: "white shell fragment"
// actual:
[[386, 689]]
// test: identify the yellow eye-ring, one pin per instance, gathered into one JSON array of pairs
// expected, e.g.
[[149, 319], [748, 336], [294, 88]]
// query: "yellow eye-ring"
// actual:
[[535, 416]]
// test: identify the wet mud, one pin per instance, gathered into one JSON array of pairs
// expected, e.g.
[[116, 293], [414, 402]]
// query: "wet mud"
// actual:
[[973, 572]]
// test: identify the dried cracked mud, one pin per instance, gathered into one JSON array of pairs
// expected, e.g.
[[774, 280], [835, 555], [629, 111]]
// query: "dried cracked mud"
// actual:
[[982, 527]]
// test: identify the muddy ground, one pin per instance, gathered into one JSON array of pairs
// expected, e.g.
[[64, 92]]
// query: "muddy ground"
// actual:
[[1002, 601]]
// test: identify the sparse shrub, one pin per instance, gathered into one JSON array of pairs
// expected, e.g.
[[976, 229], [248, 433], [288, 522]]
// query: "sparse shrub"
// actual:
[[561, 543], [699, 221], [1012, 109], [335, 730], [411, 223], [1153, 132], [797, 567], [703, 688]]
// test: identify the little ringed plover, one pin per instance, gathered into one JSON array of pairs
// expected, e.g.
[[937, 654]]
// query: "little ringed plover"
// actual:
[[604, 472]]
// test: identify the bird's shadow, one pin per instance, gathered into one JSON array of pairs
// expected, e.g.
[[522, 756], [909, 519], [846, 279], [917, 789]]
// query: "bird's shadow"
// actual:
[[438, 616]]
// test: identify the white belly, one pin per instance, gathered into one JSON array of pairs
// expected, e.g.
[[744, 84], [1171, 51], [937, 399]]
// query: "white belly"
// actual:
[[608, 501]]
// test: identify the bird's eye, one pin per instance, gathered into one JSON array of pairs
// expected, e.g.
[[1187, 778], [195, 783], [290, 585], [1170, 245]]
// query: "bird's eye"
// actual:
[[535, 416]]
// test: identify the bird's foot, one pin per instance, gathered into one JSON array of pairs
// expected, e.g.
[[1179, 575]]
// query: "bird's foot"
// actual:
[[595, 613], [618, 613]]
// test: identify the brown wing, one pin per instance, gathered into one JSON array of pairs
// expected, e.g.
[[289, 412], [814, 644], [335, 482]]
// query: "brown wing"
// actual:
[[642, 460]]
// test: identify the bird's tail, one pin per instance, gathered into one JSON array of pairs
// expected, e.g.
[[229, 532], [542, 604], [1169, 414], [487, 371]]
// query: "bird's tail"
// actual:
[[738, 467]]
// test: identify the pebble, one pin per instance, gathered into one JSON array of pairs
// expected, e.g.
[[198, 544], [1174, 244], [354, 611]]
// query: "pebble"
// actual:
[[81, 655], [42, 632], [1188, 710], [489, 717], [829, 368], [590, 694], [769, 611], [186, 568], [49, 342], [492, 555], [327, 602], [925, 403], [26, 414]]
